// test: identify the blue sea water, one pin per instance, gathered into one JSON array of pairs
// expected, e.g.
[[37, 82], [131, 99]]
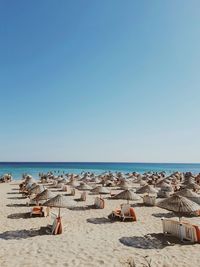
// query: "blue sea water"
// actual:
[[33, 168]]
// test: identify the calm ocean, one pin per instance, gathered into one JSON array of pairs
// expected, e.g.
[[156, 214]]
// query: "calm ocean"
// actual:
[[17, 168]]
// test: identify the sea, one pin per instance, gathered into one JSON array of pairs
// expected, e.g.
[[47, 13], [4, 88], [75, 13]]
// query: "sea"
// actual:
[[34, 168]]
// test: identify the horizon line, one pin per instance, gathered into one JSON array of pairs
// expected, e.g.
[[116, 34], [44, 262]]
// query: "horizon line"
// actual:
[[101, 162]]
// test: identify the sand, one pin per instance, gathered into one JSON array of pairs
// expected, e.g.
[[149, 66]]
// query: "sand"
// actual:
[[89, 238]]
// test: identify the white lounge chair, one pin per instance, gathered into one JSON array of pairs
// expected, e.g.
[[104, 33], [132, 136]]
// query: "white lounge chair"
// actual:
[[126, 212], [181, 230]]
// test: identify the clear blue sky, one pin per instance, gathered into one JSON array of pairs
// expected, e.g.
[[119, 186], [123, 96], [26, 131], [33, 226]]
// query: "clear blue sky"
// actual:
[[100, 80]]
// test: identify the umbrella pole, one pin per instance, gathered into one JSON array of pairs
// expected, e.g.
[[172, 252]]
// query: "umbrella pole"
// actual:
[[59, 213]]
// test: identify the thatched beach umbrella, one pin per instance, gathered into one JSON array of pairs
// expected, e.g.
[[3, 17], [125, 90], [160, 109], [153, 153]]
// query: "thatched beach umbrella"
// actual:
[[84, 187], [95, 180], [73, 183], [44, 195], [60, 185], [126, 185], [193, 186], [128, 195], [100, 190], [27, 178], [59, 201], [30, 186], [146, 189], [37, 189], [189, 194], [179, 205]]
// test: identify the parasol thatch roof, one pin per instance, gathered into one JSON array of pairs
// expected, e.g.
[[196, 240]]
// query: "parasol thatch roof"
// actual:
[[178, 204], [189, 194], [59, 201], [193, 186], [29, 186], [36, 189], [100, 190], [96, 180], [73, 183], [84, 187], [127, 194], [146, 189], [126, 185], [44, 195]]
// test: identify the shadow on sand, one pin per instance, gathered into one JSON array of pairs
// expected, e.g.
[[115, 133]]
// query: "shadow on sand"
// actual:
[[102, 220], [24, 215], [23, 234], [16, 197], [152, 241], [163, 215], [16, 205], [13, 193], [79, 208], [78, 200]]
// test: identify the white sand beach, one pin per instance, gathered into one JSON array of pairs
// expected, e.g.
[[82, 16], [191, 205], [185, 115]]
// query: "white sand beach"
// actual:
[[89, 237]]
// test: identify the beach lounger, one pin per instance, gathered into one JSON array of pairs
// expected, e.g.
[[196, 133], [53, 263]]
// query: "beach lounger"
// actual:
[[182, 230], [37, 210], [99, 203], [118, 211], [126, 212], [56, 227]]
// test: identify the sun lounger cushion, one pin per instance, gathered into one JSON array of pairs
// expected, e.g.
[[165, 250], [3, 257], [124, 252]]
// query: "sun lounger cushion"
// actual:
[[37, 210], [132, 213], [197, 232]]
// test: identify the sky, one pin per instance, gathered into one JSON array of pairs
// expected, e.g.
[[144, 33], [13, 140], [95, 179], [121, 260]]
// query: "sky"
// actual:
[[100, 80]]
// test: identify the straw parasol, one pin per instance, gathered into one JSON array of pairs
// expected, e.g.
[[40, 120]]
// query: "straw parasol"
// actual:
[[30, 186], [44, 195], [193, 186], [179, 205], [100, 190], [189, 194], [73, 183], [128, 195], [36, 189], [84, 187], [146, 189], [95, 180], [125, 185], [59, 201]]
